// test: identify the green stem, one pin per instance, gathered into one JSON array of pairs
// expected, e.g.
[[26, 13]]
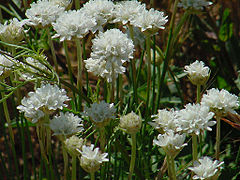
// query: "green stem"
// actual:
[[77, 4], [68, 61], [133, 69], [7, 116], [92, 175], [79, 77], [148, 49], [65, 159], [102, 138], [113, 86], [50, 42], [171, 167], [198, 93], [40, 140], [194, 147], [74, 167], [133, 156], [218, 136]]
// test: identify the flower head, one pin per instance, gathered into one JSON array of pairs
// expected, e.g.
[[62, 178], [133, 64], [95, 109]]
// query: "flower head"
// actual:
[[205, 168], [165, 120], [100, 113], [195, 118], [220, 102], [12, 32], [72, 144], [100, 10], [43, 13], [127, 11], [6, 63], [197, 73], [46, 98], [73, 24], [66, 124], [131, 123], [91, 158], [196, 4], [109, 51], [170, 142], [150, 21]]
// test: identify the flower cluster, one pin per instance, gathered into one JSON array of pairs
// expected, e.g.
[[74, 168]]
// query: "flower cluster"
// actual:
[[205, 168], [66, 124], [131, 123], [194, 119], [220, 102], [43, 13], [109, 51], [73, 24], [91, 158], [46, 98], [196, 4], [100, 113], [12, 32], [197, 73]]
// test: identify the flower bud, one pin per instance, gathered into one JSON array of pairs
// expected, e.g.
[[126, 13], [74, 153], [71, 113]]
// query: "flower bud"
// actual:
[[72, 144], [131, 123]]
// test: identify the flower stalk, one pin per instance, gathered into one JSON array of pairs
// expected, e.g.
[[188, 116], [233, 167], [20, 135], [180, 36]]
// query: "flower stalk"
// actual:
[[218, 136], [133, 156], [148, 49], [171, 167], [50, 42], [79, 77], [102, 138], [74, 167]]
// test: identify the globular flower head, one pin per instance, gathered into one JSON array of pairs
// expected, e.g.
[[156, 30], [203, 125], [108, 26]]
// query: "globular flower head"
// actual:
[[100, 113], [195, 4], [170, 142], [12, 32], [72, 24], [131, 123], [150, 21], [91, 158], [46, 98], [72, 144], [165, 120], [100, 10], [126, 11], [205, 168], [220, 102], [195, 118], [109, 51], [43, 13], [66, 124], [197, 73], [6, 63]]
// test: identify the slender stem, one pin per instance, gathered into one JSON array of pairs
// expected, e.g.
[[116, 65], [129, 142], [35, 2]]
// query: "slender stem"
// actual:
[[113, 86], [79, 77], [218, 136], [68, 61], [133, 69], [194, 147], [40, 140], [102, 138], [133, 156], [7, 116], [92, 175], [52, 49], [74, 167], [65, 159], [198, 93], [171, 167], [148, 49], [1, 16], [77, 4]]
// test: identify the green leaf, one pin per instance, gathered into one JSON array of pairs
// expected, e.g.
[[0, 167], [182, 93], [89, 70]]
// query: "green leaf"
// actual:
[[21, 124], [226, 28]]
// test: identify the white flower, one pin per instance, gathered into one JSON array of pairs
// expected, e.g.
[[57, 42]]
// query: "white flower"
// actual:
[[66, 124], [196, 4], [197, 72], [127, 11], [100, 10], [109, 51], [43, 13], [205, 168], [6, 63], [73, 24], [165, 119], [72, 144], [91, 158], [12, 32], [220, 101], [100, 113], [34, 62], [194, 119], [150, 21], [170, 142], [47, 97], [62, 3], [131, 123]]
